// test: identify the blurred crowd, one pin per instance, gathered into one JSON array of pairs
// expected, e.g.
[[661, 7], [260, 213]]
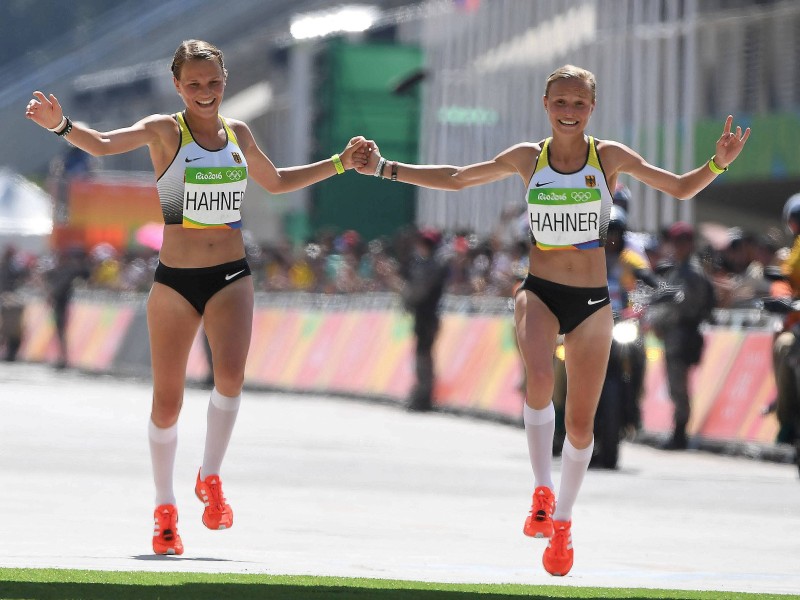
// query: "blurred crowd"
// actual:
[[332, 262], [344, 262]]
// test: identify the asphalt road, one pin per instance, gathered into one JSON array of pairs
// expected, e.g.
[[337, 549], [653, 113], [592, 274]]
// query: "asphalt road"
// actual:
[[329, 486]]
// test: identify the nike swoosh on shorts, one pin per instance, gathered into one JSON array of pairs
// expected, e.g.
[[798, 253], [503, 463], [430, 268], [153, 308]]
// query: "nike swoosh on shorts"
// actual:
[[232, 275], [590, 301]]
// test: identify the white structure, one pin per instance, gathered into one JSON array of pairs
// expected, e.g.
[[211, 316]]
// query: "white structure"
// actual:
[[26, 211]]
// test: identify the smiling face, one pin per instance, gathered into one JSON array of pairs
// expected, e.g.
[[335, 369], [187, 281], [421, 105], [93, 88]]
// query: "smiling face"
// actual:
[[201, 86], [569, 103]]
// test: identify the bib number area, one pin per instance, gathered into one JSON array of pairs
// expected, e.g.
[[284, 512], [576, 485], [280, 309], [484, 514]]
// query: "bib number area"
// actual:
[[213, 196], [566, 217]]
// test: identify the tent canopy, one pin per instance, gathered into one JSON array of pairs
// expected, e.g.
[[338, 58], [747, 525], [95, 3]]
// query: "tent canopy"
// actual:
[[26, 212]]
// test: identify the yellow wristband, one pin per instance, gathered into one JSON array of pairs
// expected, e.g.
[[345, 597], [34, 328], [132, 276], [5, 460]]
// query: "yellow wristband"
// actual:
[[337, 162], [715, 168]]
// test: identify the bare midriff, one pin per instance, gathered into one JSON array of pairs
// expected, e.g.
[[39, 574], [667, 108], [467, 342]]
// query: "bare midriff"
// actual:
[[190, 248], [578, 268]]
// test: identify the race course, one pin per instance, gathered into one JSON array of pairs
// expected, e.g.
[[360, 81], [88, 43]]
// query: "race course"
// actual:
[[335, 487]]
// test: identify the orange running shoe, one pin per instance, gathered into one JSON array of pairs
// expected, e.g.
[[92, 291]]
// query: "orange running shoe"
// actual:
[[539, 523], [165, 532], [218, 513], [558, 556]]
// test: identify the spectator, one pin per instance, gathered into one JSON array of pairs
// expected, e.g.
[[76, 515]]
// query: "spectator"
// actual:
[[762, 256], [13, 273], [278, 264], [344, 263], [421, 287], [12, 270], [732, 289], [70, 266], [460, 261], [651, 244], [104, 266], [11, 312], [679, 325]]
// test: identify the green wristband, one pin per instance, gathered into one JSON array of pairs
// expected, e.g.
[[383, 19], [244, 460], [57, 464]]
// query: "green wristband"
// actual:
[[715, 168], [337, 162]]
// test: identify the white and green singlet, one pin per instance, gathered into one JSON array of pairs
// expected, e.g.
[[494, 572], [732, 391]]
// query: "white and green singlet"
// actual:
[[204, 189], [568, 211]]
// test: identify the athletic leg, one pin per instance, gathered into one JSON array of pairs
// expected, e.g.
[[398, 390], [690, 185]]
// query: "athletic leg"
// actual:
[[537, 331], [228, 321], [587, 349], [172, 324]]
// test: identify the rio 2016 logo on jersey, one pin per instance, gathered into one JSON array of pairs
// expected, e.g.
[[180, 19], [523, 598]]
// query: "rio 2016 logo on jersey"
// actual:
[[215, 175], [563, 196]]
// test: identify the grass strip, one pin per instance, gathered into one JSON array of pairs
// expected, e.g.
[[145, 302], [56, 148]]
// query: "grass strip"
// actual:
[[66, 584]]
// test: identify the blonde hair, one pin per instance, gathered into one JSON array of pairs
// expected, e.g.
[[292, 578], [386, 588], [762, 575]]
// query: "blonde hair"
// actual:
[[572, 72], [196, 50]]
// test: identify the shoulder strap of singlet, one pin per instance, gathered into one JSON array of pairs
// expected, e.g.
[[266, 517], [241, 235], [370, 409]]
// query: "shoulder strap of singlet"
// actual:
[[186, 136], [229, 131], [542, 162], [594, 160]]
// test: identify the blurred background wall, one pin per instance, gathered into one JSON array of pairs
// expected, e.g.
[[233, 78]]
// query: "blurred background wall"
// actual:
[[442, 81]]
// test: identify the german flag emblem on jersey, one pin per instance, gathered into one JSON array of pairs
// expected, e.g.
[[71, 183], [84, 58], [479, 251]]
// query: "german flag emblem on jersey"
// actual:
[[591, 181], [238, 159]]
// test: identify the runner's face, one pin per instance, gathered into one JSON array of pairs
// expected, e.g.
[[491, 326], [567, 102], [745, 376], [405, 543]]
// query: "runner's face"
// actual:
[[201, 86], [569, 105]]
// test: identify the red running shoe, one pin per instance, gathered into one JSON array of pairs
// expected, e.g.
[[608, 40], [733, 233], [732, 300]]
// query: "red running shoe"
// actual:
[[165, 532], [558, 556], [218, 514], [539, 523]]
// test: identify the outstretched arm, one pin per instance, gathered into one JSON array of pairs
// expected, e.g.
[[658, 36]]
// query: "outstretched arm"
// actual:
[[625, 160], [46, 111], [514, 160], [288, 179]]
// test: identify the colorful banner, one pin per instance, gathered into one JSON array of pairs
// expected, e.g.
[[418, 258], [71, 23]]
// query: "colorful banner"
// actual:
[[94, 333], [728, 389], [370, 353]]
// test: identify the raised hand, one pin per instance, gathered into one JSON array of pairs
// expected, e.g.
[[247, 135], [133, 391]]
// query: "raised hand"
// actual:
[[730, 144], [44, 111]]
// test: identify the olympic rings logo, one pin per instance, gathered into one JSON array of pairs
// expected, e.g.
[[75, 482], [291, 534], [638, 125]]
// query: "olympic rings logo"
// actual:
[[581, 196], [233, 175]]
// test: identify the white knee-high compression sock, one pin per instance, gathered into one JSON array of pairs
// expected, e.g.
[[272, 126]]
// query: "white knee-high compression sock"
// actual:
[[540, 426], [574, 464], [163, 446], [222, 412]]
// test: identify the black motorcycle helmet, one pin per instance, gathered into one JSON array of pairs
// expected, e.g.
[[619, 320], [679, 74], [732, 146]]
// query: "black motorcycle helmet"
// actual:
[[618, 223]]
